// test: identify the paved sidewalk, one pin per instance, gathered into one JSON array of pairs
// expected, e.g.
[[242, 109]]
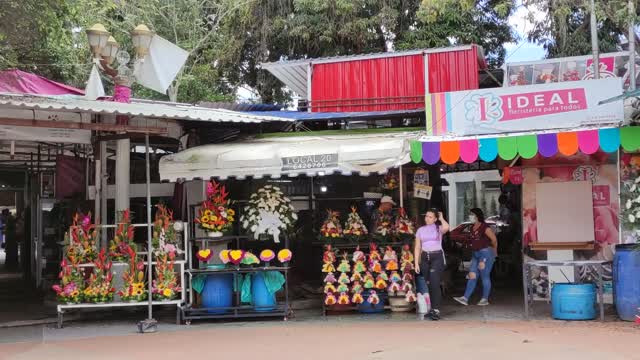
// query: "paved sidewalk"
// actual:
[[340, 338]]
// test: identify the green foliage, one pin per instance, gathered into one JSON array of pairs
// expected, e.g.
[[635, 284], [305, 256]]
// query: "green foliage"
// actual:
[[566, 29], [449, 22]]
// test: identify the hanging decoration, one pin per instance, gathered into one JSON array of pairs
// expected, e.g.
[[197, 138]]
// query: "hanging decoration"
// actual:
[[546, 145]]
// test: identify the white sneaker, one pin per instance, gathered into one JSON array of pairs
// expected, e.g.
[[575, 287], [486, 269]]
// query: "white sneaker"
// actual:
[[462, 300], [483, 302]]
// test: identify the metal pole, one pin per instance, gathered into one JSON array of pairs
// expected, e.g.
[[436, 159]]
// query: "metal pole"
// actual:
[[149, 242], [401, 188], [594, 41], [632, 45]]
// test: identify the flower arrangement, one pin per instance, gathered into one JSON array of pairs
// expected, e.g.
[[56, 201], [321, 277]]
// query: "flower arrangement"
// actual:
[[123, 237], [71, 282], [630, 200], [165, 238], [134, 289], [354, 228], [285, 255], [224, 256], [390, 182], [236, 256], [204, 255], [99, 286], [331, 228], [215, 215], [267, 255], [405, 229], [80, 241], [384, 226], [268, 214], [250, 259], [165, 287]]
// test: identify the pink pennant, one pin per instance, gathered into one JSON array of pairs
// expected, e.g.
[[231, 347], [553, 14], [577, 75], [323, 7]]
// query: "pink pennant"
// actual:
[[469, 150], [588, 141]]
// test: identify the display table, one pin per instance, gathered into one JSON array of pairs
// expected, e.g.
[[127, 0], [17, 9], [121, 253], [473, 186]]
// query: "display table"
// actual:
[[597, 265]]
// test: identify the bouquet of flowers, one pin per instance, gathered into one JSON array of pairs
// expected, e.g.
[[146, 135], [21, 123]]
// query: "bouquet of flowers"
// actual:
[[165, 287], [268, 214], [354, 228], [164, 237], [384, 226], [331, 229], [71, 282], [630, 201], [123, 238], [215, 214], [404, 228], [99, 286], [389, 182], [80, 241], [134, 285]]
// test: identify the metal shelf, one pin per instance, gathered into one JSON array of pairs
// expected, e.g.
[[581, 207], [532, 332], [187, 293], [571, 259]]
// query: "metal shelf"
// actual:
[[242, 270]]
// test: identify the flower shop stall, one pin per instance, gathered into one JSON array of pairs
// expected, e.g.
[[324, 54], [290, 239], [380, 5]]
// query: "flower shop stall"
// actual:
[[88, 277], [248, 278], [563, 144]]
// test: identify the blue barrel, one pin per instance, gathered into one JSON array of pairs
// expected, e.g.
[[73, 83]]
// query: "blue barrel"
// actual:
[[573, 301], [218, 293], [626, 280], [262, 299], [368, 308]]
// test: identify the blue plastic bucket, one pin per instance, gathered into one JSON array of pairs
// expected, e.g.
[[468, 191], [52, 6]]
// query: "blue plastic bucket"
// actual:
[[573, 301], [262, 299], [626, 280], [218, 293]]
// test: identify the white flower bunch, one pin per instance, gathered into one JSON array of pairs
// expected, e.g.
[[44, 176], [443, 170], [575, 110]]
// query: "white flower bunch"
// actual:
[[631, 201], [269, 212]]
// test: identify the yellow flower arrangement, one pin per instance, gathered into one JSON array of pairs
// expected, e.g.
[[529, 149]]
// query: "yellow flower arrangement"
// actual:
[[167, 292], [215, 214]]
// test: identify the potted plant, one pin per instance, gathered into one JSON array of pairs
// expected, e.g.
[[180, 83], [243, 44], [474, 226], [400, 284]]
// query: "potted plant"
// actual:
[[215, 215]]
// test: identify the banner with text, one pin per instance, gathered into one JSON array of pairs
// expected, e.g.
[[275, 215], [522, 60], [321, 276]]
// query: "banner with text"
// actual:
[[524, 108]]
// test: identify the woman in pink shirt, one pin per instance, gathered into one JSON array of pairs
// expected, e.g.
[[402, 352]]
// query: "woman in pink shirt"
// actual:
[[429, 256]]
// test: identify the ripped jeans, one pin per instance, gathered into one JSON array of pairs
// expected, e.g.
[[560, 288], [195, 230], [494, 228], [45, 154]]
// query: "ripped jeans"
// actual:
[[432, 265], [481, 262]]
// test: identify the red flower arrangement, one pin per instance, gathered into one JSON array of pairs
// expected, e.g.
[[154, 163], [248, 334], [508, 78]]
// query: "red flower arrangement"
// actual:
[[99, 286], [134, 285], [80, 241], [165, 286], [123, 237], [215, 214]]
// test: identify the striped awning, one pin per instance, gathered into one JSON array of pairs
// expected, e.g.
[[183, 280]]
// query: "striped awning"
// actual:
[[588, 141]]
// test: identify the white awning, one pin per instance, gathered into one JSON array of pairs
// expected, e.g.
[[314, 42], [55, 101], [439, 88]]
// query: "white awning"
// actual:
[[148, 109], [292, 156]]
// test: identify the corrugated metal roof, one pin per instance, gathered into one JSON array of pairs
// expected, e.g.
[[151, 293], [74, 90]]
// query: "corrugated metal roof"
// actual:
[[145, 109], [365, 115], [295, 73]]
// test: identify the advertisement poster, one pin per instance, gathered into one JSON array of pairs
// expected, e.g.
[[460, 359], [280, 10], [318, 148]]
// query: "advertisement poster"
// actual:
[[564, 105], [601, 170]]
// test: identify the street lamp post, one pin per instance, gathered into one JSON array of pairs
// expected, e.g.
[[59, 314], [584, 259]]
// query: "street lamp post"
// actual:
[[105, 50]]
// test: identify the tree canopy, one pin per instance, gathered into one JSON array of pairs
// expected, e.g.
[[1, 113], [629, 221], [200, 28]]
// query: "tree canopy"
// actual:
[[228, 39]]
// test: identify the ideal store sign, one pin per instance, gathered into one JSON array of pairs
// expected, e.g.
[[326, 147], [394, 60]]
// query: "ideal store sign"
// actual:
[[524, 108]]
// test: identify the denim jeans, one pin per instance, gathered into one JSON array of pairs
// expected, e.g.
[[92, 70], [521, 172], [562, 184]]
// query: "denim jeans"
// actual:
[[481, 262], [431, 267]]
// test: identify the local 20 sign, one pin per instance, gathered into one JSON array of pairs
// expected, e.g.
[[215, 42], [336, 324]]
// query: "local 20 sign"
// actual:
[[525, 108]]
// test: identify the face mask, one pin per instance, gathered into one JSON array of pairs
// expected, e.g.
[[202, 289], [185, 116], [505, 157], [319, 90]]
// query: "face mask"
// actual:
[[473, 218]]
